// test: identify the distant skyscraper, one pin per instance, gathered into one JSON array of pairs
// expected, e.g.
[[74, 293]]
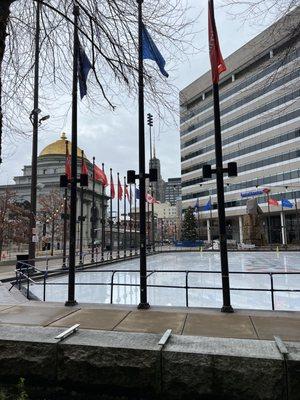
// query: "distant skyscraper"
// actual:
[[159, 186], [172, 190]]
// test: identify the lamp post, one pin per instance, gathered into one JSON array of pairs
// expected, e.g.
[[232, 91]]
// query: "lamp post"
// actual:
[[34, 118]]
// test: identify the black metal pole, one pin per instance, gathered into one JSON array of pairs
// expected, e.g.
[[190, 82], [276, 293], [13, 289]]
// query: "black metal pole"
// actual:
[[143, 257], [65, 220], [118, 218], [198, 220], [93, 213], [52, 236], [72, 248], [111, 220], [125, 219], [102, 221], [269, 222], [81, 216], [35, 122], [135, 223], [130, 221], [221, 203], [148, 224]]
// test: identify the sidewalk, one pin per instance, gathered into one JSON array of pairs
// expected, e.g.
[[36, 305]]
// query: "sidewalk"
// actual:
[[243, 324]]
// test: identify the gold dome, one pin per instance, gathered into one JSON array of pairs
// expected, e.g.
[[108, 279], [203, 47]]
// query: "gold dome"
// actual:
[[59, 147]]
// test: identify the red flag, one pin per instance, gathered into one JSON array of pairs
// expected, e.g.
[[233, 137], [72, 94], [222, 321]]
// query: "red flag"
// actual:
[[68, 164], [100, 176], [120, 190], [273, 202], [217, 63], [112, 188], [84, 168], [127, 193], [151, 200]]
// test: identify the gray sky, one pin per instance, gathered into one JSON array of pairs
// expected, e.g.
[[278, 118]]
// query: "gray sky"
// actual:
[[112, 136]]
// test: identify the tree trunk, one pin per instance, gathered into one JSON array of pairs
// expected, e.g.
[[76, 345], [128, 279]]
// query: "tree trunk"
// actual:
[[4, 15]]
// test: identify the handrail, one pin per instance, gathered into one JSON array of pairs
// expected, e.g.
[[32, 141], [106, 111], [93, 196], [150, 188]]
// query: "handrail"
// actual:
[[186, 285]]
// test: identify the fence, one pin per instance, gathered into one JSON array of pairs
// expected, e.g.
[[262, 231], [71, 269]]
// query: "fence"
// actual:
[[30, 275]]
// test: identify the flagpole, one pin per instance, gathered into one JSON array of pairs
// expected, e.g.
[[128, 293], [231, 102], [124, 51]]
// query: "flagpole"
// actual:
[[148, 224], [125, 211], [81, 216], [210, 224], [65, 218], [143, 258], [135, 233], [297, 217], [111, 220], [72, 247], [102, 221], [221, 203], [35, 122], [93, 214], [118, 218], [198, 217], [130, 222], [283, 229]]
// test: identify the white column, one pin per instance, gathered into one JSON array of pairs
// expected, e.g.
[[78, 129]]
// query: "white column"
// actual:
[[208, 230], [283, 233], [241, 229]]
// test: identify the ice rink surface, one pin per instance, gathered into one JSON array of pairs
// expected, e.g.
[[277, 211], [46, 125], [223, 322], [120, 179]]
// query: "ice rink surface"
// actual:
[[247, 263]]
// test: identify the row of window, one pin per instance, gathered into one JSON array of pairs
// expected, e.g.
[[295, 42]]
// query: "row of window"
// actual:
[[252, 131], [258, 164], [245, 117], [255, 95], [286, 176], [247, 150], [247, 82]]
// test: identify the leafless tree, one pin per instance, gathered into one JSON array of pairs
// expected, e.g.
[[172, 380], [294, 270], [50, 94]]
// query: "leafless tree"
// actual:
[[108, 32], [14, 220], [50, 209]]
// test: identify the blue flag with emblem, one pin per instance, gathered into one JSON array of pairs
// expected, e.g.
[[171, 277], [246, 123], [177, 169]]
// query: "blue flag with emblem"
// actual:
[[286, 203], [151, 52], [208, 206], [84, 67]]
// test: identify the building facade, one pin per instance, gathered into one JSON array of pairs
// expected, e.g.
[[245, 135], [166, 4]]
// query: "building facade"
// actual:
[[173, 190], [260, 118], [51, 164]]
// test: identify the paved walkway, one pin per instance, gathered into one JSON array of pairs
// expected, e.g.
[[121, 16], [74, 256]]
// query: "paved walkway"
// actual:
[[243, 324]]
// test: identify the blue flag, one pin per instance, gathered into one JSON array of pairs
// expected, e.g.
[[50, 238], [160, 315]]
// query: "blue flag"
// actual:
[[208, 206], [286, 203], [84, 67], [197, 205], [137, 193], [151, 52]]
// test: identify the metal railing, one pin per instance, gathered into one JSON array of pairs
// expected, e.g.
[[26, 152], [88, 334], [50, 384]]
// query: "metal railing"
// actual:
[[33, 276]]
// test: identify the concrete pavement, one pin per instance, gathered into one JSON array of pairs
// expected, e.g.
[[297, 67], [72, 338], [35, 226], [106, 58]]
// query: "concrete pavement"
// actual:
[[243, 324]]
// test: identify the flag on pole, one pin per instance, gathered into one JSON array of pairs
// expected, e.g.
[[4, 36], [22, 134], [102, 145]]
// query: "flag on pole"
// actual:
[[120, 190], [208, 206], [84, 67], [151, 52], [100, 176], [273, 202], [197, 205], [286, 203], [127, 193], [84, 168], [137, 193], [68, 164], [151, 200], [112, 188], [217, 63]]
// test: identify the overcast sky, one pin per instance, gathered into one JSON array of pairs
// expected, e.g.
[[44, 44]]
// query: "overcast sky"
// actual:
[[112, 136]]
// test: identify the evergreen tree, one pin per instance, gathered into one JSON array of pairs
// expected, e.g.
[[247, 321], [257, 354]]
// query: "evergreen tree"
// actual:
[[189, 230]]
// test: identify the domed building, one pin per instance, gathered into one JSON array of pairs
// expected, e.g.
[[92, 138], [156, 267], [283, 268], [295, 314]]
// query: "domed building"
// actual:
[[50, 166]]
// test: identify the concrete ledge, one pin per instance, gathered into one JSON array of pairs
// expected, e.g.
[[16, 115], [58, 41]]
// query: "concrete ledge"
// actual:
[[133, 364]]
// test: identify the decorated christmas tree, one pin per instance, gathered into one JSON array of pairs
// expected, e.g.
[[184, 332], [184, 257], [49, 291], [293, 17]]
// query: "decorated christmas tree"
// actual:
[[189, 230]]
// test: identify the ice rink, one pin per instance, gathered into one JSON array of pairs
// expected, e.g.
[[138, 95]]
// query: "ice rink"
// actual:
[[247, 263]]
